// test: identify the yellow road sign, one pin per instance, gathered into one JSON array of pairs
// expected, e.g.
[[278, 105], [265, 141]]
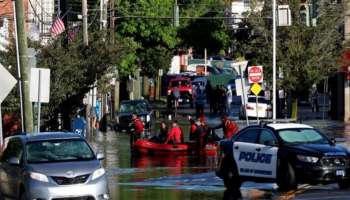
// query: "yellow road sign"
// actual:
[[256, 89]]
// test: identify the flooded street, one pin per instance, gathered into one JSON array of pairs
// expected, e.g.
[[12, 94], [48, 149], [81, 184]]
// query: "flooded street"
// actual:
[[193, 177]]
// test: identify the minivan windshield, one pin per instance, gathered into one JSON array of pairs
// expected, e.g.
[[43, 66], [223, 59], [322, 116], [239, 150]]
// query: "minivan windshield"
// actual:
[[302, 136], [51, 151]]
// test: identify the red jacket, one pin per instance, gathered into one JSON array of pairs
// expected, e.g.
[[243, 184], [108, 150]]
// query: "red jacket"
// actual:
[[139, 128], [175, 135], [230, 129]]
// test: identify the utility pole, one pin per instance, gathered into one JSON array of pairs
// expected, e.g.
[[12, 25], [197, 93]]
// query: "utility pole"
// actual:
[[112, 20], [86, 43], [176, 14], [274, 95], [23, 61], [112, 40], [85, 25]]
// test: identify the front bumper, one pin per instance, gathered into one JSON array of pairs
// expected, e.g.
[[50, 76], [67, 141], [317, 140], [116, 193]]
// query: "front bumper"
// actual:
[[321, 174], [91, 190]]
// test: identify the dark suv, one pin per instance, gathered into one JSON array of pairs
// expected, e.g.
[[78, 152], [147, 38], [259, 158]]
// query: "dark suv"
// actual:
[[285, 153], [124, 119]]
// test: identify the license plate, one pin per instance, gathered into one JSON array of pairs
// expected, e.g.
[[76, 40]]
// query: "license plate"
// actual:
[[180, 100], [340, 173]]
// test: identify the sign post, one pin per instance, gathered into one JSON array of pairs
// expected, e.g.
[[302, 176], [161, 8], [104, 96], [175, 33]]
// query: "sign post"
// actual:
[[256, 89], [255, 76], [39, 89], [7, 83]]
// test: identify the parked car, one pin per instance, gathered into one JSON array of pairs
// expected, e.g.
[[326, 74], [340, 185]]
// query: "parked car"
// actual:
[[262, 110], [284, 153], [184, 85], [51, 166], [141, 107]]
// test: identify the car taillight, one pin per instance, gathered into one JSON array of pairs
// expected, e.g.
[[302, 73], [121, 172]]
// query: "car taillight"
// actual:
[[249, 107]]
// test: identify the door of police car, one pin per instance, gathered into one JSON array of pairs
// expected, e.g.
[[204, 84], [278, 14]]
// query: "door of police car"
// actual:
[[255, 153]]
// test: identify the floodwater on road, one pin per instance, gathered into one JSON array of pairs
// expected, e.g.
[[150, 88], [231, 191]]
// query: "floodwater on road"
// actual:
[[193, 177]]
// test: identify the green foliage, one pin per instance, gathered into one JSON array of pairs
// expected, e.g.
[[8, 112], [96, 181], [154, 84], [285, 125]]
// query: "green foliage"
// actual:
[[305, 54], [208, 30], [75, 68], [155, 36], [149, 23]]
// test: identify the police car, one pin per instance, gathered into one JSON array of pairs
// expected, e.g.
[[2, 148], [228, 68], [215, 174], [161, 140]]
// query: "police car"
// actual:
[[284, 153]]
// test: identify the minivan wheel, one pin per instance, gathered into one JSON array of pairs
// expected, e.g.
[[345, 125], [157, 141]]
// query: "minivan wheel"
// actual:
[[287, 179]]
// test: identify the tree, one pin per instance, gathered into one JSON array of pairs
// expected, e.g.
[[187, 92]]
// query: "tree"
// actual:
[[142, 22], [305, 54], [206, 33], [75, 68]]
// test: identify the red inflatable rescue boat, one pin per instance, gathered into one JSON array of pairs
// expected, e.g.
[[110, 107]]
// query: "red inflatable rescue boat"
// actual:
[[151, 148]]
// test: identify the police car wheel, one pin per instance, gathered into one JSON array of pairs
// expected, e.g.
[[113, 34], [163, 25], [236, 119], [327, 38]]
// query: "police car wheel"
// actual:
[[344, 184], [231, 178], [287, 179]]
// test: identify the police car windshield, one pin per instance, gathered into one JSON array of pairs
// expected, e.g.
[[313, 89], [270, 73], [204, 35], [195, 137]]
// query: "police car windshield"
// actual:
[[302, 136]]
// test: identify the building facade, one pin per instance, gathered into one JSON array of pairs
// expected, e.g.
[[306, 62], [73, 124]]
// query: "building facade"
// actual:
[[6, 22]]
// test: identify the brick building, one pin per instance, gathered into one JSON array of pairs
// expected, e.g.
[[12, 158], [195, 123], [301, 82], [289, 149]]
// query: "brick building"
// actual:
[[6, 21]]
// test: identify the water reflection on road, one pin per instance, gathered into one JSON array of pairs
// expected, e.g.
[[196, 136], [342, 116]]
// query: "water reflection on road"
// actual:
[[192, 177]]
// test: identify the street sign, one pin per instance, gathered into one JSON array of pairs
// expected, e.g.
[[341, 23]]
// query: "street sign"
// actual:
[[241, 64], [7, 82], [256, 89], [255, 74], [40, 85]]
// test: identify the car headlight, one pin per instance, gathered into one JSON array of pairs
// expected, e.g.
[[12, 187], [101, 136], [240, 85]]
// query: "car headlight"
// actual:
[[309, 159], [38, 177], [148, 118], [98, 173]]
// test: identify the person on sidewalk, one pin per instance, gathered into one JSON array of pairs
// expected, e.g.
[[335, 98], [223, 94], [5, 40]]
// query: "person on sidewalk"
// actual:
[[199, 101], [138, 129], [175, 135], [314, 98], [228, 99]]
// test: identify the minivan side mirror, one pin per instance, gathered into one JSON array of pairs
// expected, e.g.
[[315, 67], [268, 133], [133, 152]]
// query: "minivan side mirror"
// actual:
[[100, 156], [14, 161]]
